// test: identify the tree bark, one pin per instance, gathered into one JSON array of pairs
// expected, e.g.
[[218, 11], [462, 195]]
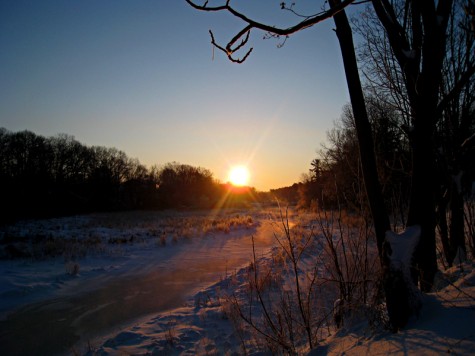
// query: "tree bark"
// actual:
[[422, 201], [457, 236], [423, 86], [399, 291], [443, 227], [420, 50], [363, 128]]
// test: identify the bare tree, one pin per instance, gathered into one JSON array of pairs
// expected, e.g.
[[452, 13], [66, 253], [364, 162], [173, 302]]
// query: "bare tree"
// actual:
[[362, 125], [416, 34], [386, 80], [344, 34]]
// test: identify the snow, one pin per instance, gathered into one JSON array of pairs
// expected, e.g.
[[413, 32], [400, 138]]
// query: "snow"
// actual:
[[446, 325], [151, 298], [402, 247], [136, 264]]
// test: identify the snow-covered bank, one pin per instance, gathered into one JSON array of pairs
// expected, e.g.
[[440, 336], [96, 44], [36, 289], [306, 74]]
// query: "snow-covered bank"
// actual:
[[200, 326], [206, 324], [446, 325]]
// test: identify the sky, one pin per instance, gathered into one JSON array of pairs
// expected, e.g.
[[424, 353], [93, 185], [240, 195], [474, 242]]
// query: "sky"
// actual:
[[142, 76]]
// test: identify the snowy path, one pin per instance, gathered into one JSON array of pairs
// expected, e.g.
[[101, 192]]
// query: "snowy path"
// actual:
[[148, 280]]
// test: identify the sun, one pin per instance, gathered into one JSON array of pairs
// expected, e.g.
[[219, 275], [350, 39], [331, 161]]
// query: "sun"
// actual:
[[239, 175]]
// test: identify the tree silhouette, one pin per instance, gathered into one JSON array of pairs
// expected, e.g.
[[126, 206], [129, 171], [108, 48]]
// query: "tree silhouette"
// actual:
[[416, 34], [41, 177], [182, 185], [454, 123]]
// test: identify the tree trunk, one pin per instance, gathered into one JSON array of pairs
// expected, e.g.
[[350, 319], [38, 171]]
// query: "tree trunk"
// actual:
[[400, 293], [363, 128], [422, 200], [457, 233], [443, 228], [423, 85]]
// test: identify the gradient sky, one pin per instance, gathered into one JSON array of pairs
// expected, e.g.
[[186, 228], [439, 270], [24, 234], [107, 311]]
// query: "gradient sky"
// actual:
[[139, 75]]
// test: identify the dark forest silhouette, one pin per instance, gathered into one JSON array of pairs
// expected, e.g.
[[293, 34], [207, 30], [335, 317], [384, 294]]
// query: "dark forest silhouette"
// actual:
[[45, 177]]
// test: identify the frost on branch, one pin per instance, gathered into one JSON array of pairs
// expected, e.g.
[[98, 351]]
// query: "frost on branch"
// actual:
[[402, 297]]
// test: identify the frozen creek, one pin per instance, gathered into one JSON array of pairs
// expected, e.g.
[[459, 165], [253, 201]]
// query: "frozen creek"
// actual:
[[44, 311]]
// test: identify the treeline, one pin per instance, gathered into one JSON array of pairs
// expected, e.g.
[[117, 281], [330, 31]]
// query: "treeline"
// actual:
[[423, 135], [52, 176], [335, 177], [288, 195]]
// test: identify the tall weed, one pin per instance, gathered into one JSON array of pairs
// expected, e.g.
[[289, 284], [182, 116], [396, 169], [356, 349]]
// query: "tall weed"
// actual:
[[323, 270]]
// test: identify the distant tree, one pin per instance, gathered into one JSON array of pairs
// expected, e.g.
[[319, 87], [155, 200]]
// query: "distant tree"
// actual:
[[340, 180], [286, 195], [26, 176], [469, 9], [42, 177], [73, 160], [181, 185]]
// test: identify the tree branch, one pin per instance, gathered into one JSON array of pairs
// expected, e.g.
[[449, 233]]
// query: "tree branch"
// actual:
[[457, 88], [229, 50], [395, 32], [252, 24]]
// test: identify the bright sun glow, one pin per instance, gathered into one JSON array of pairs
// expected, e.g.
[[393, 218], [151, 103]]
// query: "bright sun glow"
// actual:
[[239, 175]]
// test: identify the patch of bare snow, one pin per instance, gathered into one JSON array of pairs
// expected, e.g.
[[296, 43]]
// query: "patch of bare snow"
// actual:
[[403, 246], [446, 325]]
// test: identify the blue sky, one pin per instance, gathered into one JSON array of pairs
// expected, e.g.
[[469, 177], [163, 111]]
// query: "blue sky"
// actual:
[[139, 75]]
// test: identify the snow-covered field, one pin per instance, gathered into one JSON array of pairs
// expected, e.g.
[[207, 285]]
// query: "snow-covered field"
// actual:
[[159, 283]]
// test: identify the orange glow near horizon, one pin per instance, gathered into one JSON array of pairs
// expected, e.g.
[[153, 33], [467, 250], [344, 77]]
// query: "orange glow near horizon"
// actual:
[[239, 176]]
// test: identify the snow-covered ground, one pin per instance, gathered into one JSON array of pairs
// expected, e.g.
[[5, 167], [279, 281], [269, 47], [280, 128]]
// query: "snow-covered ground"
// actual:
[[164, 292], [114, 269], [446, 325]]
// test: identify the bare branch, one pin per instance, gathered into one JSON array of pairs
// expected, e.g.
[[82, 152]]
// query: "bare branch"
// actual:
[[205, 7], [308, 22], [457, 88], [283, 6], [243, 35], [229, 50], [393, 29]]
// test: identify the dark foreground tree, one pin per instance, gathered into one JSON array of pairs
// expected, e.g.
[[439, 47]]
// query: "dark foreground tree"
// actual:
[[416, 34], [454, 122]]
